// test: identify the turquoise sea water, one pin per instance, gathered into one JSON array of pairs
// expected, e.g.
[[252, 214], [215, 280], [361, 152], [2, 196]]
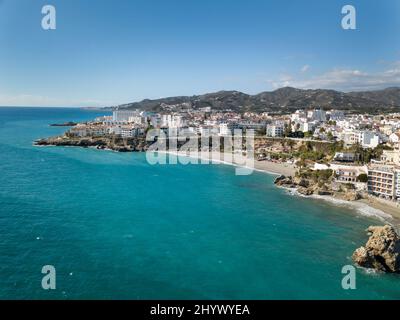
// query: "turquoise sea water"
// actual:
[[116, 227]]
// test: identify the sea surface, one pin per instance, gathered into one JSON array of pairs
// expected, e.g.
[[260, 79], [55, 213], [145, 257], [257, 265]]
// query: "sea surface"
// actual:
[[115, 227]]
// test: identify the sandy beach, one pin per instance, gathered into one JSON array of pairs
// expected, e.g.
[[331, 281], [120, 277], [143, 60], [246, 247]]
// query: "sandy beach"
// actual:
[[386, 206], [287, 169]]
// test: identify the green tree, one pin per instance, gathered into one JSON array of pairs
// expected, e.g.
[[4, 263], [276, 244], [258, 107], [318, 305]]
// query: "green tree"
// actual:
[[362, 177]]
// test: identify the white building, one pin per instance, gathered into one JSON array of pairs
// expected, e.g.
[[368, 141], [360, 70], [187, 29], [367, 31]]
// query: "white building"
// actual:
[[345, 173], [387, 129], [317, 115], [114, 130], [209, 122], [394, 138], [187, 131], [391, 157], [155, 121], [207, 130], [336, 115], [368, 139], [123, 115], [172, 121], [397, 184], [205, 109], [79, 132], [137, 120], [275, 130], [307, 126], [85, 131], [381, 181], [298, 116], [128, 131], [349, 137], [224, 129], [345, 156]]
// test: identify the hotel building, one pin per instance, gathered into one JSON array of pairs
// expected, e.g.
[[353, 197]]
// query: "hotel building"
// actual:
[[397, 184], [122, 116], [381, 181]]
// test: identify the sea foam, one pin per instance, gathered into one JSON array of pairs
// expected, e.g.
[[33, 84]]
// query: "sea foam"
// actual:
[[361, 208]]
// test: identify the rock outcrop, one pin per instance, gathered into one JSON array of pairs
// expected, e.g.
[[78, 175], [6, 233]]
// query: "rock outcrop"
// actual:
[[65, 124], [305, 191], [351, 196], [106, 142], [381, 252], [301, 182], [308, 187], [287, 182]]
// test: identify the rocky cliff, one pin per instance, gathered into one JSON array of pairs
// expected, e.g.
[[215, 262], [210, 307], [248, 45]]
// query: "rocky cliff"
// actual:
[[107, 142], [382, 250]]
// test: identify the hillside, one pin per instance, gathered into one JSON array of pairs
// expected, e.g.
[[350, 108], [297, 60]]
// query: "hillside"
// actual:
[[282, 100]]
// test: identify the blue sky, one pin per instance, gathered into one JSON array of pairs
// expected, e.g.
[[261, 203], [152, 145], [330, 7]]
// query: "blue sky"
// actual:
[[107, 52]]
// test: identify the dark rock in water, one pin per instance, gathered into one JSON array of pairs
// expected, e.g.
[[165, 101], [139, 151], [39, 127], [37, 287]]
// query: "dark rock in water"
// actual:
[[284, 181], [66, 124], [41, 142], [279, 179], [382, 251]]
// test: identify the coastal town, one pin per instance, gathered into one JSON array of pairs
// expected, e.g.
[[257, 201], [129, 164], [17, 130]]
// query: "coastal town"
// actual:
[[323, 152], [200, 158]]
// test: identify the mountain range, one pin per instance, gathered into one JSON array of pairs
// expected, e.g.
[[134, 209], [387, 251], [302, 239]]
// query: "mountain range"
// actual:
[[283, 100]]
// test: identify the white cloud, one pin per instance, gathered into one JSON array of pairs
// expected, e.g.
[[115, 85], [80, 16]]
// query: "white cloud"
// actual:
[[345, 80], [305, 68]]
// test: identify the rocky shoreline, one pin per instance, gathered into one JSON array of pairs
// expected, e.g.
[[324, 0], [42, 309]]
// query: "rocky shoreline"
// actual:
[[114, 143], [382, 251], [308, 187]]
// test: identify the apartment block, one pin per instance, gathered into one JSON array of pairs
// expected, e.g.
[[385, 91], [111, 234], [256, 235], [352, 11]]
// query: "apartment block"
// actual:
[[397, 184], [123, 115], [381, 181], [275, 130]]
